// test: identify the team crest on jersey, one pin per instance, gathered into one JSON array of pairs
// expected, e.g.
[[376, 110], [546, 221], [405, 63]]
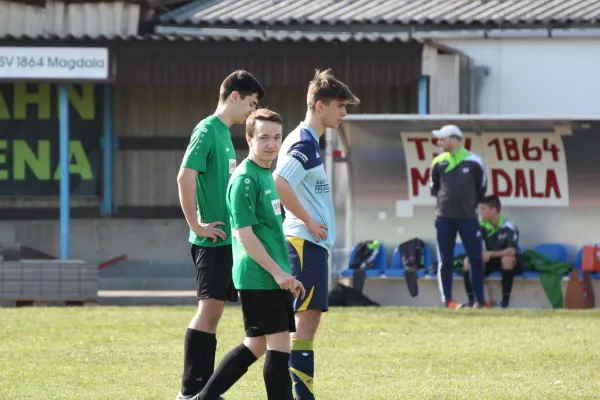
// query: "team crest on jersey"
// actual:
[[276, 206], [232, 165]]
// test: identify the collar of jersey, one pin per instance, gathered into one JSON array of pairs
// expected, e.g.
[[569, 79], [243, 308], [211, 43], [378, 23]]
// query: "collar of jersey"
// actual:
[[311, 130], [453, 159], [491, 228], [218, 121]]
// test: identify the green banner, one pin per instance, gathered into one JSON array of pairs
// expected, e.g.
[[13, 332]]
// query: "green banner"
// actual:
[[29, 139]]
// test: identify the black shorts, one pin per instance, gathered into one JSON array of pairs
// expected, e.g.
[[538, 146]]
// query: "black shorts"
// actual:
[[213, 273], [267, 312], [495, 265]]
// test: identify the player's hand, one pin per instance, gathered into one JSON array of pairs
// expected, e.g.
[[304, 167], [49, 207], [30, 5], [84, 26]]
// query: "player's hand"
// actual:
[[486, 257], [319, 231], [284, 280], [288, 282], [466, 264], [298, 291], [210, 231]]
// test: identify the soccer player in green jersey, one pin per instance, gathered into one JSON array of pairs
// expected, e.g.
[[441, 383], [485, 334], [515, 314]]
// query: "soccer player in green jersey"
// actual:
[[261, 267], [207, 165]]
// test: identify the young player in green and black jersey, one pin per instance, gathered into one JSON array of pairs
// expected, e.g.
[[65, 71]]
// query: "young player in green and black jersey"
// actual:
[[261, 267], [501, 241]]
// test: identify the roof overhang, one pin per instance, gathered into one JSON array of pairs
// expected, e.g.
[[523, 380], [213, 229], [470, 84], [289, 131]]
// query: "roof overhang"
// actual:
[[277, 35], [481, 122]]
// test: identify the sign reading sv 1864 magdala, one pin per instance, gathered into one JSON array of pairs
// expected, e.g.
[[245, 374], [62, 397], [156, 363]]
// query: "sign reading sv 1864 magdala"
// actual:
[[54, 63]]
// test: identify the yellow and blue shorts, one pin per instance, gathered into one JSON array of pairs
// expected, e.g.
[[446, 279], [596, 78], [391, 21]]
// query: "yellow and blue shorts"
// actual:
[[310, 265]]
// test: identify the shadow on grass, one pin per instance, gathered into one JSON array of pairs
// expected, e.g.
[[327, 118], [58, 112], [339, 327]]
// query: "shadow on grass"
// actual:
[[475, 313]]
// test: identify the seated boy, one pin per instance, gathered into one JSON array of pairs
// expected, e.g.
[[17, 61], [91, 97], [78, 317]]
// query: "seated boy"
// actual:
[[500, 241]]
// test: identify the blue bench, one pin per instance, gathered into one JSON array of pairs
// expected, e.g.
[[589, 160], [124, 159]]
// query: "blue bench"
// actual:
[[379, 265], [553, 251], [460, 249], [556, 252]]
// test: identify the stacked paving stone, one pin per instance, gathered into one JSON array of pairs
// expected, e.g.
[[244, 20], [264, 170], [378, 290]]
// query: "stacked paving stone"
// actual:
[[45, 280]]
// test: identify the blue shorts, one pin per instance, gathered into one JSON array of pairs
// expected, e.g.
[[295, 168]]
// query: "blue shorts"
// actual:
[[310, 265]]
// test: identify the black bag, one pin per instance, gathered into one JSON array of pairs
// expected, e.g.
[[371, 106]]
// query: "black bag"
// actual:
[[364, 259], [413, 258], [344, 296], [365, 255]]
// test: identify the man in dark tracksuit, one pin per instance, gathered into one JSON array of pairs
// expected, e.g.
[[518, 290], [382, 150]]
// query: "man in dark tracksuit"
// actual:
[[458, 180]]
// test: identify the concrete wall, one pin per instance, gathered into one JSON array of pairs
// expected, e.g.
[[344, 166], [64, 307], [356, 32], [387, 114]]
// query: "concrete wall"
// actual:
[[105, 238], [541, 76], [527, 293]]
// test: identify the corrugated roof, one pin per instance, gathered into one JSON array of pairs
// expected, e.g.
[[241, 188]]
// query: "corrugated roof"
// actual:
[[120, 17], [422, 12], [83, 38], [43, 3], [242, 37]]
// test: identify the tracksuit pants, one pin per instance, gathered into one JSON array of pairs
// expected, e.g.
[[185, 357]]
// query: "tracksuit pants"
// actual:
[[468, 228]]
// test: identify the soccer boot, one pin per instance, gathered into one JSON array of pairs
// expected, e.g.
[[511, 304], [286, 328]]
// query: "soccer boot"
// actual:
[[453, 304], [487, 304], [191, 397]]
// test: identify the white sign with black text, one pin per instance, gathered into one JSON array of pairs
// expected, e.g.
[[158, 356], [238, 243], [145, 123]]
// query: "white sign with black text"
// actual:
[[68, 63]]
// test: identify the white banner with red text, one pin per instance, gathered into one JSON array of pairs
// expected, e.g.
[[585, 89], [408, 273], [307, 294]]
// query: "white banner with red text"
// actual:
[[523, 169]]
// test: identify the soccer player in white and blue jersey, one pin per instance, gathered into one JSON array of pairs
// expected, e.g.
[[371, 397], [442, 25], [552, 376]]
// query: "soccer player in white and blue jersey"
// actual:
[[309, 223]]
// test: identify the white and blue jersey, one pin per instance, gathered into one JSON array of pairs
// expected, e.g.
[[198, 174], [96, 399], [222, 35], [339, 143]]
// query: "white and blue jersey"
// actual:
[[300, 163]]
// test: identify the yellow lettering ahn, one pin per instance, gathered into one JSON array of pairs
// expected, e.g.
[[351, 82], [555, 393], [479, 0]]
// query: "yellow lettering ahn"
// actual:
[[40, 95]]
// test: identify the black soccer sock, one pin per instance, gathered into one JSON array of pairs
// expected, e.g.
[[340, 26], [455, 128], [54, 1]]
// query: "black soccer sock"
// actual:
[[468, 287], [209, 364], [199, 349], [232, 367], [277, 376], [508, 277]]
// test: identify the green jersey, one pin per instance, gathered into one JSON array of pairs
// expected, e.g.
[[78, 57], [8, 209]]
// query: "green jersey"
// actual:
[[211, 153], [252, 200]]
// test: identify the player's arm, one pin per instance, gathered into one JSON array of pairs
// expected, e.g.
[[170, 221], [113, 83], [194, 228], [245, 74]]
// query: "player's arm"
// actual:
[[508, 252], [290, 200], [434, 179], [193, 163], [241, 201], [480, 181], [256, 250], [292, 169]]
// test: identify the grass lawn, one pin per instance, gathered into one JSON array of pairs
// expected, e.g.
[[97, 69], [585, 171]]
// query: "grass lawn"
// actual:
[[369, 353]]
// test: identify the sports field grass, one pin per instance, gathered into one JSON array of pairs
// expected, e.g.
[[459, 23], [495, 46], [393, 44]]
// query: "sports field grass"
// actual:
[[369, 353]]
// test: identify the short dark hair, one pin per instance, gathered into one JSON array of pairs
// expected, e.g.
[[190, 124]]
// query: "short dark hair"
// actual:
[[242, 82], [262, 114], [492, 201], [325, 87]]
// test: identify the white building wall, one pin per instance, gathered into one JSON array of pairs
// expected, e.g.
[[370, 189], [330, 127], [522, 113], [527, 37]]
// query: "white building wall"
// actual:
[[540, 76]]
